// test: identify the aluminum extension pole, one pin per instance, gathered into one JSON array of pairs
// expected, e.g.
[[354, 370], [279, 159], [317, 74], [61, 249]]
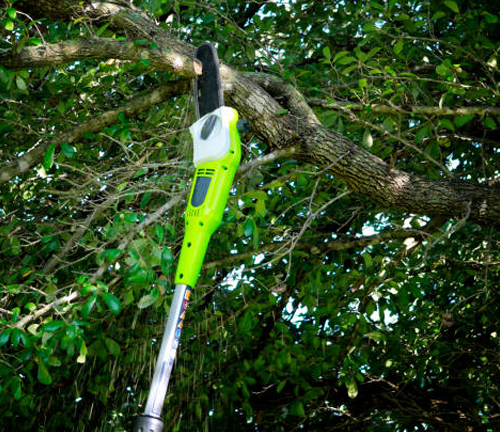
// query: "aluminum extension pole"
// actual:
[[151, 421]]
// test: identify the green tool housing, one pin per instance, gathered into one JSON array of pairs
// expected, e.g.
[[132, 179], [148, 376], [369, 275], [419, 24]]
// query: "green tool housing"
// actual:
[[209, 193]]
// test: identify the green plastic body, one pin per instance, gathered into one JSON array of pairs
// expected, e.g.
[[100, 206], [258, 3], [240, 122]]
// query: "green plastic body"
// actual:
[[201, 221]]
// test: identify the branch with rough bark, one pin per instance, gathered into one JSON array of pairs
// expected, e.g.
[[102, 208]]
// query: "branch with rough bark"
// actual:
[[100, 49]]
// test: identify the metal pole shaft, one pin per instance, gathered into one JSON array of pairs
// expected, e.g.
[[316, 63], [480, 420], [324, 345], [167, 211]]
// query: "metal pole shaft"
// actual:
[[151, 421]]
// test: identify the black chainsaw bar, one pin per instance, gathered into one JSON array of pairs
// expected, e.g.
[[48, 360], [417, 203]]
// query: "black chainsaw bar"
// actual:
[[208, 95]]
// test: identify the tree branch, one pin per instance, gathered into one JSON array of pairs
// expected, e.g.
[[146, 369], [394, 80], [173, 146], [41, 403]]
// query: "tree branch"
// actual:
[[335, 245], [286, 95], [129, 109], [100, 49], [414, 109]]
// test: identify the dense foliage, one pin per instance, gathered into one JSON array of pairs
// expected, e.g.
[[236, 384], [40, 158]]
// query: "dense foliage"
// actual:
[[317, 309]]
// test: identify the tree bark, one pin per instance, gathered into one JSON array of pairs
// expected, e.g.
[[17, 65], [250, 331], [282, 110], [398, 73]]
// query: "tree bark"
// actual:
[[99, 49]]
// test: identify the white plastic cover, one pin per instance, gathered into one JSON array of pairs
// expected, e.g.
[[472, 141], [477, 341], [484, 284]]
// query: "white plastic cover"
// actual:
[[217, 143]]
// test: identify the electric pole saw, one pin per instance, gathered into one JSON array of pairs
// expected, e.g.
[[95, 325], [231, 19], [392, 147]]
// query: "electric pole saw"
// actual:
[[216, 156]]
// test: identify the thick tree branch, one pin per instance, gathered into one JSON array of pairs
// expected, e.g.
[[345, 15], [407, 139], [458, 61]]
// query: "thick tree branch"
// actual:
[[129, 109], [286, 95], [100, 49]]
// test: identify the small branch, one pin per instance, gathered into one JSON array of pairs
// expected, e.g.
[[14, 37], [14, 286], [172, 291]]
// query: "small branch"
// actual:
[[144, 224], [48, 307], [129, 109], [263, 160], [398, 138], [424, 110], [77, 235], [335, 245], [99, 49]]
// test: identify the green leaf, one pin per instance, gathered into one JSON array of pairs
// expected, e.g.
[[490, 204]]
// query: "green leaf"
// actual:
[[438, 15], [111, 254], [54, 361], [490, 18], [327, 53], [248, 227], [346, 60], [88, 306], [422, 133], [83, 353], [139, 275], [4, 336], [113, 347], [260, 207], [370, 27], [43, 374], [399, 46], [167, 258], [462, 120], [112, 302], [256, 238], [15, 246], [11, 13], [281, 386], [9, 25], [297, 409], [367, 139], [402, 17], [490, 123], [371, 53], [146, 301], [352, 387], [160, 233], [18, 336], [21, 84], [368, 260], [140, 172], [339, 55], [48, 159], [53, 326], [442, 70], [128, 298], [376, 336], [146, 197], [452, 5], [68, 150], [447, 124]]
